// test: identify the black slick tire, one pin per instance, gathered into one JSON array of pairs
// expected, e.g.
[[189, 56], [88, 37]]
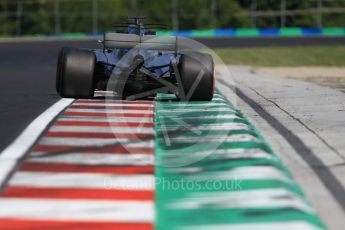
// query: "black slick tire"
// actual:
[[196, 71], [75, 73]]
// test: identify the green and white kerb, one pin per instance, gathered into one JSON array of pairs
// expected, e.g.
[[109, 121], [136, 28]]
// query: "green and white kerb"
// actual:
[[215, 171]]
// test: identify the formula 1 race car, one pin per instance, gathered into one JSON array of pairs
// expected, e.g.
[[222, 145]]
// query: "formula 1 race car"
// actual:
[[136, 63]]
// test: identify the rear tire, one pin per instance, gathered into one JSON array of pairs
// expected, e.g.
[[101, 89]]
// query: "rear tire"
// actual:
[[75, 73], [197, 76], [59, 67]]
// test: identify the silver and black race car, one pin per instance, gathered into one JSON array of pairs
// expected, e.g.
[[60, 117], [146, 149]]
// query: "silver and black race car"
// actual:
[[136, 63]]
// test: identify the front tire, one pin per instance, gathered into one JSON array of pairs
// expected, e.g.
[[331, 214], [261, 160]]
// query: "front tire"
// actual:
[[197, 77], [75, 73]]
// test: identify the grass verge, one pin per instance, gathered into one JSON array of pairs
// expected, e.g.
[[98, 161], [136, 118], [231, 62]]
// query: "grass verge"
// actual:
[[284, 56]]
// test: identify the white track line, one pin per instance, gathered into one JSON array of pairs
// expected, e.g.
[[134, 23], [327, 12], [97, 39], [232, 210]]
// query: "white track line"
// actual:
[[96, 159], [201, 110], [78, 210], [239, 173], [119, 111], [186, 104], [106, 103], [17, 149], [283, 225], [229, 154], [258, 198], [106, 119], [208, 127], [102, 129], [35, 154], [93, 142], [83, 180], [196, 117], [215, 138]]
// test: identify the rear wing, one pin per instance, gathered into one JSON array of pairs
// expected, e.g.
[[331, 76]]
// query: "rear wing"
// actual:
[[150, 42]]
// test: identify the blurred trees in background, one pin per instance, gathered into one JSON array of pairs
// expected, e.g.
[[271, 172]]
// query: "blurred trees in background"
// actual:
[[20, 17]]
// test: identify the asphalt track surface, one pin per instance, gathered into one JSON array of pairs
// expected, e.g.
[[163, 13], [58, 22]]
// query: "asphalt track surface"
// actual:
[[27, 88]]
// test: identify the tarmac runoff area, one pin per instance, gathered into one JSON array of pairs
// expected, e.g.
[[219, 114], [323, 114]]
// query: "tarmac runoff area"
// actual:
[[333, 77], [305, 125]]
